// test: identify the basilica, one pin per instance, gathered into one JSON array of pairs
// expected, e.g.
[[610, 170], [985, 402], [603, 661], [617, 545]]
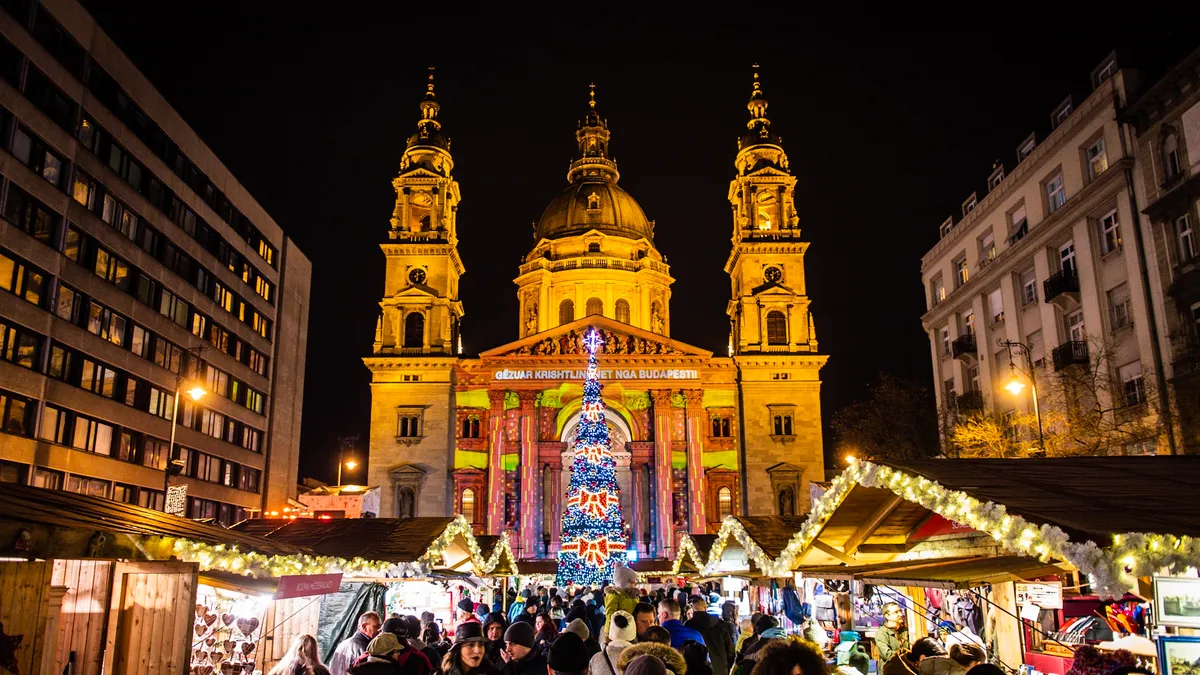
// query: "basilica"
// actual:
[[697, 436]]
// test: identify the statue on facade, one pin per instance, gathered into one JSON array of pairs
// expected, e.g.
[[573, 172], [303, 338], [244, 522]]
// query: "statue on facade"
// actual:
[[531, 318], [656, 320]]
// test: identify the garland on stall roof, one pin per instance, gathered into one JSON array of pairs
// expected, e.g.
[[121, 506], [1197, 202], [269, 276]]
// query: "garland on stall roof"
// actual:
[[257, 565], [687, 547], [1111, 571]]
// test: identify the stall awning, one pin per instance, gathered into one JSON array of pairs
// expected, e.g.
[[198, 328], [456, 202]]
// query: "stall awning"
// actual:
[[72, 520], [548, 566], [960, 572]]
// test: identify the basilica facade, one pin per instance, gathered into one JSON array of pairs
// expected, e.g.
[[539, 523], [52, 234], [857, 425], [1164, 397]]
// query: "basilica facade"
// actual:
[[696, 436]]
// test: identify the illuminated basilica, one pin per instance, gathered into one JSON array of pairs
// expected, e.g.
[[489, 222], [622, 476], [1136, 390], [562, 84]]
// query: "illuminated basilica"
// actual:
[[696, 436]]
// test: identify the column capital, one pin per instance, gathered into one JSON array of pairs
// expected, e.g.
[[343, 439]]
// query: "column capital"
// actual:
[[662, 400], [527, 397], [496, 398], [694, 398]]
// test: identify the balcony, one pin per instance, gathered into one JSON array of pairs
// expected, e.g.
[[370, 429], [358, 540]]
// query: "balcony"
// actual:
[[1070, 353], [964, 348], [969, 402], [1186, 287], [1062, 289], [1187, 365]]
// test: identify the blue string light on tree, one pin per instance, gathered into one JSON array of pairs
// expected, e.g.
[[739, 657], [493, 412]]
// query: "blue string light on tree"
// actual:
[[593, 529]]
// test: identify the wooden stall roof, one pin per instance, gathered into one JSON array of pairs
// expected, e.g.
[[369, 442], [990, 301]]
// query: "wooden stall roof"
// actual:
[[57, 509], [949, 572], [394, 540], [538, 566], [704, 543], [651, 566], [771, 533], [1089, 498]]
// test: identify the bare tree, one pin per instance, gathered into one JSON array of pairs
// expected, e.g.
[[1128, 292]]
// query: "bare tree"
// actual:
[[895, 422]]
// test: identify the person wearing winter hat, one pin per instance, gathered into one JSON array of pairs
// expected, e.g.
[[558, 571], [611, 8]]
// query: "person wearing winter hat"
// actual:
[[388, 654], [519, 656], [621, 634], [396, 626], [580, 628], [646, 665], [468, 656], [517, 607], [672, 660], [466, 610], [568, 656], [494, 625]]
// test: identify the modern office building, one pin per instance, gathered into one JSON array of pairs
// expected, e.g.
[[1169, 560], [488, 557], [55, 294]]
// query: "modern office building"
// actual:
[[133, 264], [696, 436], [1050, 256]]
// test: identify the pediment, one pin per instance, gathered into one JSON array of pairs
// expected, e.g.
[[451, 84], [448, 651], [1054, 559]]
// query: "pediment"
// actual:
[[619, 339], [416, 291], [772, 288], [784, 466]]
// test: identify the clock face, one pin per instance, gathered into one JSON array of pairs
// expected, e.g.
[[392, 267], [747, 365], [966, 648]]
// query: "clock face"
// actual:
[[773, 274], [417, 275]]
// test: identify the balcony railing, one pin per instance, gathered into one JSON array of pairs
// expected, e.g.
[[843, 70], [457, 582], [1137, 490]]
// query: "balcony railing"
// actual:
[[1061, 283], [963, 345], [1072, 353], [970, 402]]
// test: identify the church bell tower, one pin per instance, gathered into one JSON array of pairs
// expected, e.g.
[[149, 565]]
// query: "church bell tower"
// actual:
[[420, 308]]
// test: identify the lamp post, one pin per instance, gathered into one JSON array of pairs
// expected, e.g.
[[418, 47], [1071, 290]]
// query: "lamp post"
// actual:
[[345, 442], [1015, 385], [195, 389]]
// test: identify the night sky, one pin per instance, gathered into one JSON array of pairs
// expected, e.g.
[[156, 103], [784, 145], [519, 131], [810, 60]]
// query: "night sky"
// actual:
[[886, 132]]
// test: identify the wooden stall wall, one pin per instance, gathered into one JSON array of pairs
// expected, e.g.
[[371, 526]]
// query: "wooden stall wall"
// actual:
[[285, 620], [24, 607], [81, 619], [150, 626]]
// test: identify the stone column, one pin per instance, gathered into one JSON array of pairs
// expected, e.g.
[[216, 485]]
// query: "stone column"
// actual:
[[531, 485], [696, 428], [405, 212], [556, 506], [664, 522], [495, 518], [624, 483]]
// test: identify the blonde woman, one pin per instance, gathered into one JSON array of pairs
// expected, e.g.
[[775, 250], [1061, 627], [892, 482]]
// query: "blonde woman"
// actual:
[[301, 659]]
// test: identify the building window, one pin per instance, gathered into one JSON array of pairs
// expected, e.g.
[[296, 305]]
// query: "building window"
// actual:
[[1118, 307], [945, 342], [973, 378], [470, 427], [408, 423], [594, 247], [54, 425], [720, 427], [962, 273], [566, 312], [937, 291], [1097, 158], [782, 424], [1075, 328], [35, 154], [16, 414], [787, 502], [45, 478], [968, 323], [622, 309], [1029, 291], [1110, 233], [595, 306], [987, 249], [1170, 154], [1133, 387], [724, 503], [414, 330], [468, 505], [1066, 257], [970, 204], [776, 328], [1186, 237], [996, 303], [22, 280], [20, 346], [1026, 148], [92, 436], [33, 217], [1056, 194], [945, 227], [1018, 224]]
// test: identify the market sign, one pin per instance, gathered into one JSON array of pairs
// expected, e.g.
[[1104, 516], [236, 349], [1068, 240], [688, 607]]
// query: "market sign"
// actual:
[[1046, 595], [300, 585], [607, 374], [937, 526], [176, 500]]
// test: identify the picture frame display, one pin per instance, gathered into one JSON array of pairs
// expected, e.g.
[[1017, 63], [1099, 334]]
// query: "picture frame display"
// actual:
[[1179, 655], [1177, 602]]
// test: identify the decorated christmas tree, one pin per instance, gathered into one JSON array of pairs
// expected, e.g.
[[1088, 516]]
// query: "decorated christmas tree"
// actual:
[[593, 530]]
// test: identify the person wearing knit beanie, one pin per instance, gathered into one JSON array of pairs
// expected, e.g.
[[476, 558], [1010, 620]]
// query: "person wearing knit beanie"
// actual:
[[622, 631], [568, 656], [578, 627], [520, 657], [646, 664]]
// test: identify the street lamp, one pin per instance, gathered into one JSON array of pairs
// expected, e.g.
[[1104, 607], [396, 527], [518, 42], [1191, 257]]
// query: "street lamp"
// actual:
[[344, 443], [350, 465], [195, 389], [1015, 386]]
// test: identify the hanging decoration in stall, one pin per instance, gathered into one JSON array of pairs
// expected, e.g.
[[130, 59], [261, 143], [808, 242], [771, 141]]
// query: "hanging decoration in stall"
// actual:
[[225, 632], [1111, 570]]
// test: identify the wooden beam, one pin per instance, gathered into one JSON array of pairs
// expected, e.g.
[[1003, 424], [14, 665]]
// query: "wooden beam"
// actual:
[[864, 532], [884, 548], [831, 551]]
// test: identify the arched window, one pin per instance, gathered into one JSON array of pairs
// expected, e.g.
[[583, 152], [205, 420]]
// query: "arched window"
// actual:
[[622, 311], [724, 502], [787, 502], [468, 505], [595, 306], [566, 312], [474, 428], [407, 502], [766, 210], [1170, 154], [414, 330], [426, 223], [776, 328]]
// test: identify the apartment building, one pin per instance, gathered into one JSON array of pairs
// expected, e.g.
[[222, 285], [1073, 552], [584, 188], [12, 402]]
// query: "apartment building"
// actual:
[[1049, 256], [1166, 120], [134, 265]]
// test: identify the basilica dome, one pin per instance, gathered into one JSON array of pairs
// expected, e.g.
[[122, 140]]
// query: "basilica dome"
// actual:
[[594, 205]]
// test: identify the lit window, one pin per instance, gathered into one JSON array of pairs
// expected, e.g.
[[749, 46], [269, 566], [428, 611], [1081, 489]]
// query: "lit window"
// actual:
[[1187, 238], [776, 328], [595, 307], [1097, 158], [566, 312], [1110, 233], [724, 502], [1118, 307], [468, 505], [622, 309], [1132, 385], [1056, 194]]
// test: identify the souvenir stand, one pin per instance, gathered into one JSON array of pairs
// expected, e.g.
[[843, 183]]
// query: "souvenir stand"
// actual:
[[418, 565], [971, 530], [109, 587]]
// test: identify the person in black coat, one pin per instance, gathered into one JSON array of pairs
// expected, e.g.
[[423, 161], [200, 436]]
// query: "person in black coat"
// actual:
[[716, 636], [519, 655]]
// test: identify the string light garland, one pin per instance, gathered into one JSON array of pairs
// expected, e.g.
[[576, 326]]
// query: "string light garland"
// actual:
[[593, 528], [1111, 571], [687, 547], [257, 565]]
